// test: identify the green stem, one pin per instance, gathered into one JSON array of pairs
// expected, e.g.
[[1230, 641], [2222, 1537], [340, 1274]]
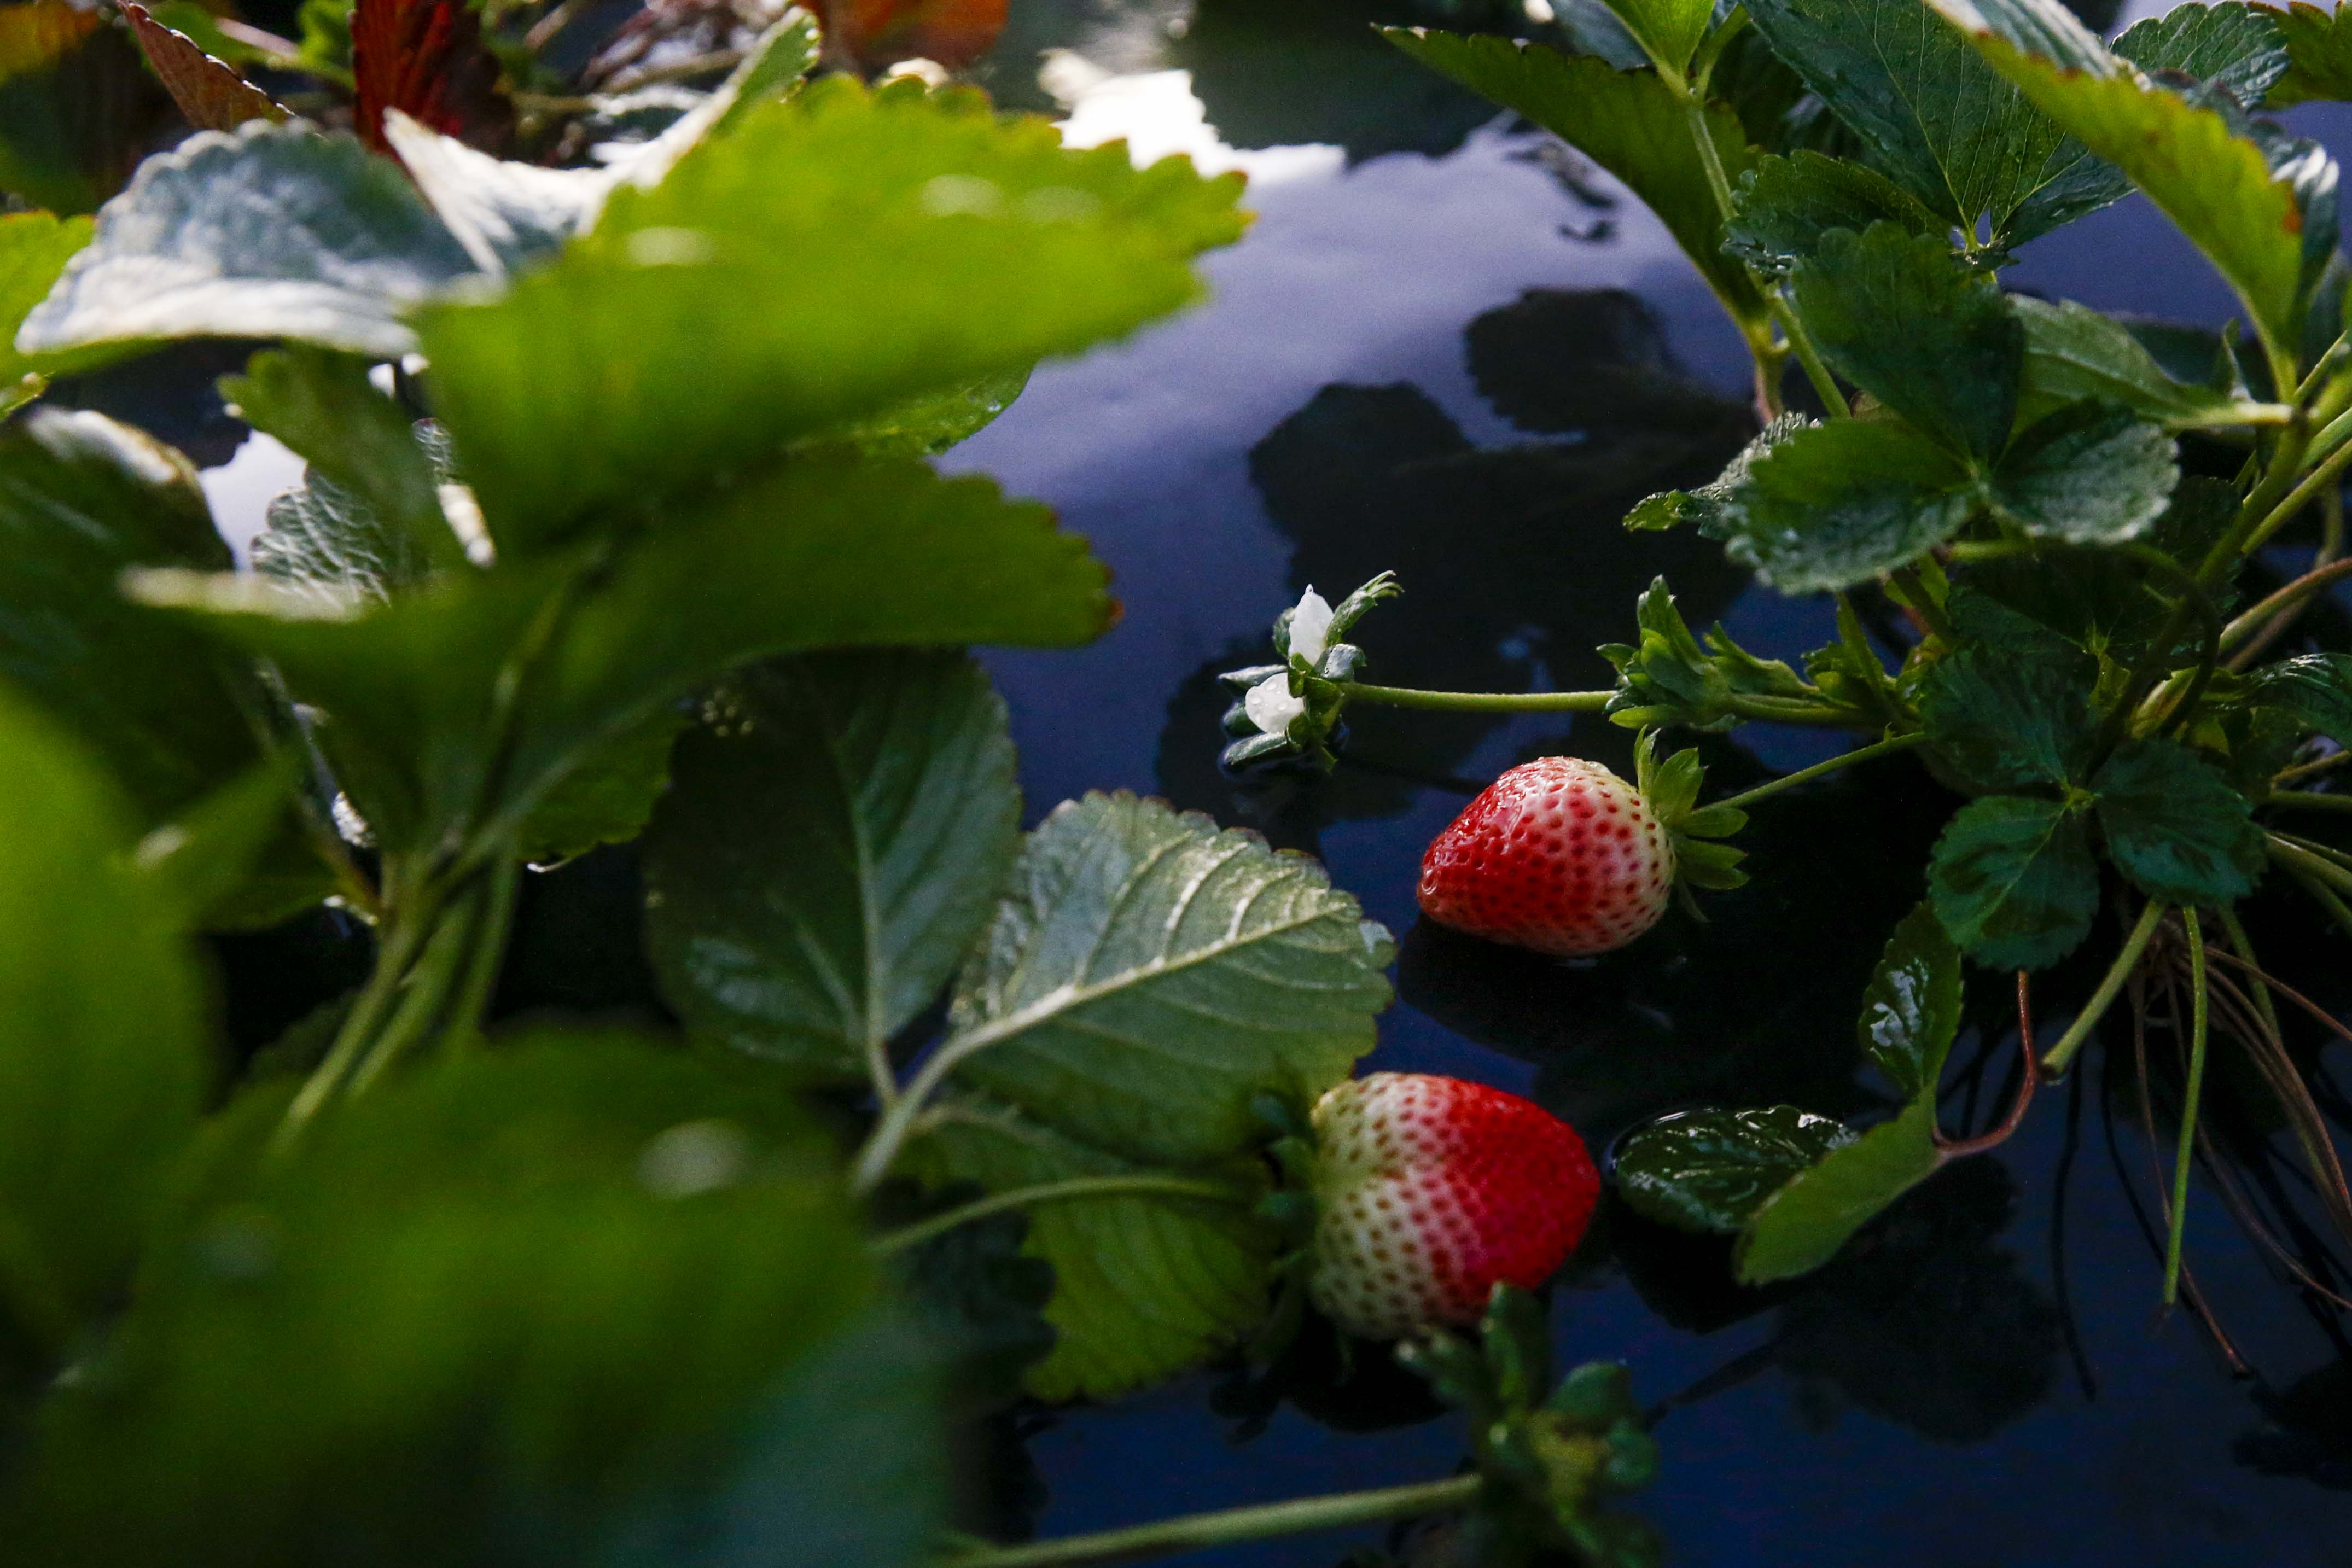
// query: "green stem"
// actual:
[[1915, 598], [2060, 1056], [2340, 858], [2294, 596], [2294, 857], [1478, 702], [2277, 479], [2339, 454], [2308, 801], [495, 922], [2325, 896], [2188, 1106], [1140, 1184], [408, 923], [2235, 930], [424, 1006], [1801, 343], [2303, 770], [1765, 791], [1199, 1531]]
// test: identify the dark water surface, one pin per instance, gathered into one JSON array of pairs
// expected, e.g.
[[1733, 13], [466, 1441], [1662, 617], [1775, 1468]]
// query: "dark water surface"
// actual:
[[1444, 351]]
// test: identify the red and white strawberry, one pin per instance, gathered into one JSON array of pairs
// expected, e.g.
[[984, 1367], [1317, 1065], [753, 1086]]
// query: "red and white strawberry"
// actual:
[[1432, 1191], [1558, 854]]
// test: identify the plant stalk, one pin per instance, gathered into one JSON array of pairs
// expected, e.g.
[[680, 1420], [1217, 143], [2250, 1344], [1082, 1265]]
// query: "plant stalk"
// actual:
[[1870, 753], [1227, 1527], [1140, 1184], [2295, 596], [2187, 1148], [1478, 702], [2062, 1055]]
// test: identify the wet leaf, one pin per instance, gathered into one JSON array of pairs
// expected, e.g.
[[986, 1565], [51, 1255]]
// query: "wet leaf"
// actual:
[[838, 835], [2240, 48], [1911, 1012], [1802, 1226], [2013, 882], [2008, 717], [2174, 826], [1839, 503], [1785, 207], [2090, 473], [1711, 1170]]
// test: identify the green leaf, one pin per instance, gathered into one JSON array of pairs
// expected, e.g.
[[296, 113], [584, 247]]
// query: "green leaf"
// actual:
[[979, 1299], [581, 1299], [2217, 186], [1911, 324], [1668, 30], [2010, 717], [2073, 352], [273, 231], [102, 1035], [1149, 974], [321, 406], [1711, 1170], [1839, 503], [82, 500], [2174, 826], [1708, 506], [927, 426], [2315, 690], [34, 249], [1672, 678], [2240, 48], [608, 797], [2013, 882], [1942, 125], [2091, 473], [1629, 123], [2319, 54], [1802, 1226], [878, 554], [1911, 1010], [924, 243], [237, 859], [334, 551], [1143, 1286], [838, 832], [1785, 207]]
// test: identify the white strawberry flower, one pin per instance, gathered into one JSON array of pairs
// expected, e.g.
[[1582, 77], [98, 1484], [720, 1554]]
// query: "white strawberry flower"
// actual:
[[1310, 627], [1271, 706]]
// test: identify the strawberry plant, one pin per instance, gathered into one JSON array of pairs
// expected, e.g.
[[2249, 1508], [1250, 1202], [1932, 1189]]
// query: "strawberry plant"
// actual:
[[2078, 531]]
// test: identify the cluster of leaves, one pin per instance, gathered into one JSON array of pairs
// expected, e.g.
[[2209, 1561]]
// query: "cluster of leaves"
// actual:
[[2058, 503]]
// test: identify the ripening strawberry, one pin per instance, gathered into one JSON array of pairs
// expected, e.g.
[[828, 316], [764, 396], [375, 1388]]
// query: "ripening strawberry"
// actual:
[[1558, 854], [1431, 1191]]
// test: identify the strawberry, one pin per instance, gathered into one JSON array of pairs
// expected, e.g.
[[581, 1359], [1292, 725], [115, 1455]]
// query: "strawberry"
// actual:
[[1558, 854], [1432, 1191]]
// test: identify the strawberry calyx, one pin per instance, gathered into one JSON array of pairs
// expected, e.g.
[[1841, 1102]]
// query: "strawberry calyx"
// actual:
[[1671, 787]]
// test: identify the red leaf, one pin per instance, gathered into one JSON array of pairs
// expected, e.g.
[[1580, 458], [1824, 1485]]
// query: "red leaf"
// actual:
[[211, 95], [425, 58], [879, 33]]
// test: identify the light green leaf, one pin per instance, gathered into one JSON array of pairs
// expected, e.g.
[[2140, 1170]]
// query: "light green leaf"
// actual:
[[2091, 473], [102, 1039], [923, 242], [1629, 123], [2013, 882], [272, 231], [2319, 54], [82, 500], [2217, 186], [1148, 975], [838, 832], [2073, 352], [2174, 827], [2240, 48], [1784, 206], [1907, 322], [1911, 1010], [1802, 1226], [927, 426], [1839, 502], [1668, 30], [879, 554], [580, 1300], [1144, 1287], [34, 249], [1711, 1170]]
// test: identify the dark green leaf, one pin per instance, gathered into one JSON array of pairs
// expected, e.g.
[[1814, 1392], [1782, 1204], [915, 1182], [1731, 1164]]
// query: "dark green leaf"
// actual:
[[1839, 503], [925, 243], [2314, 690], [2014, 883], [578, 1300], [102, 1058], [1911, 1010], [1802, 1226], [1897, 314], [1708, 506], [1946, 129], [2073, 352], [2217, 186], [2319, 54], [321, 405], [980, 1298], [2010, 717], [608, 797], [83, 499], [1670, 677], [2240, 48], [2091, 473], [237, 859], [1710, 1170], [879, 554], [1785, 206], [2174, 827], [838, 832], [273, 231], [1629, 123]]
